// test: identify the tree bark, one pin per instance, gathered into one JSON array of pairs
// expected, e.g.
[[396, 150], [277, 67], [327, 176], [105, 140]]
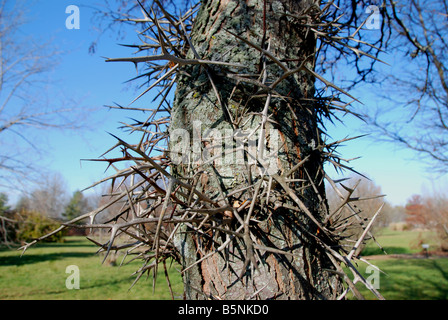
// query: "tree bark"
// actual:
[[212, 97]]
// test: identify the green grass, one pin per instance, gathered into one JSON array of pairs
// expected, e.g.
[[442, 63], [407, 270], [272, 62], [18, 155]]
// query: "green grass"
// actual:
[[41, 274], [400, 242], [407, 279], [410, 279]]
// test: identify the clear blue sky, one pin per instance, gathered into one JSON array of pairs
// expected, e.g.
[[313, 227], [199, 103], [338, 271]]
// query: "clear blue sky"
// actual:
[[94, 83]]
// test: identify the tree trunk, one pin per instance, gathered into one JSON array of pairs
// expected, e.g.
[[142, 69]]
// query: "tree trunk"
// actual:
[[231, 102]]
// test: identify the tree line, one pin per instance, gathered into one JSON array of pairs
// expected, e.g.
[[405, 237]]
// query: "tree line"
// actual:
[[42, 209]]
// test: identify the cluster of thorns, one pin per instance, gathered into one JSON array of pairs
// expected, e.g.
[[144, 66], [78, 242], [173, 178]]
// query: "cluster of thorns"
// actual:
[[154, 203]]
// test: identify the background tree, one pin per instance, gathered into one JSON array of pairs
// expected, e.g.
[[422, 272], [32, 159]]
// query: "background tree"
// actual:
[[429, 212], [415, 87], [49, 198], [21, 224], [3, 203], [7, 224], [437, 209], [365, 197], [416, 212], [25, 105], [77, 205]]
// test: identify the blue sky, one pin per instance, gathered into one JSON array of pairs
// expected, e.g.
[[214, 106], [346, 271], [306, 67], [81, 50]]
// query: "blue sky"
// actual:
[[93, 83]]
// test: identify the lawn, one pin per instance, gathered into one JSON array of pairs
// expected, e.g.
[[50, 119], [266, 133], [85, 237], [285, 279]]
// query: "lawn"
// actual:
[[41, 274], [400, 242], [410, 279], [407, 278]]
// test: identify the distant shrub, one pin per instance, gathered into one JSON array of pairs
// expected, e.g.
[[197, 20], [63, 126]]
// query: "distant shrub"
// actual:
[[399, 226], [442, 236], [33, 225]]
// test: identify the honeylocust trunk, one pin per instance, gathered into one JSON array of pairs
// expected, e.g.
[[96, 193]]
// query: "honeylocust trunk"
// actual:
[[238, 128]]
